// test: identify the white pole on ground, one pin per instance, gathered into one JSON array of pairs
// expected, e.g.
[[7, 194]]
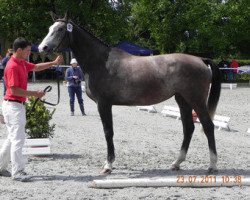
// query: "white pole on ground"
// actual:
[[178, 181]]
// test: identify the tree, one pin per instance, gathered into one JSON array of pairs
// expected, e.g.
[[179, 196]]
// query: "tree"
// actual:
[[24, 18], [31, 19], [204, 27]]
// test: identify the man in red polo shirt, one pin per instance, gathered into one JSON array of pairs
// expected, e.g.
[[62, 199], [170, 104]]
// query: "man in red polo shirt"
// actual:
[[15, 77]]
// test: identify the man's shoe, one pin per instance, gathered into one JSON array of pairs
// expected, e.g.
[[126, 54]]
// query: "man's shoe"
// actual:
[[83, 114], [5, 173], [21, 176], [72, 114]]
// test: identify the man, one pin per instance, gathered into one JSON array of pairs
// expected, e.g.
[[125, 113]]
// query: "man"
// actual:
[[74, 76], [13, 108]]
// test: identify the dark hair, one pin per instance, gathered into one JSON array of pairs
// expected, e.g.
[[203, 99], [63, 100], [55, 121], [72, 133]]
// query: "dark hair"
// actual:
[[20, 43]]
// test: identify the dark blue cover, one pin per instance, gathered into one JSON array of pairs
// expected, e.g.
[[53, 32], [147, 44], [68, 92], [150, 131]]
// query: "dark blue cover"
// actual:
[[133, 48]]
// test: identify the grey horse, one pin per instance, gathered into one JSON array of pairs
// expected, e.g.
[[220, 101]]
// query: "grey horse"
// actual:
[[114, 77]]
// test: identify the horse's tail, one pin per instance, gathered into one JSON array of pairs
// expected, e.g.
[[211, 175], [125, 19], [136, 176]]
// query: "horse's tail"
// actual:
[[215, 89]]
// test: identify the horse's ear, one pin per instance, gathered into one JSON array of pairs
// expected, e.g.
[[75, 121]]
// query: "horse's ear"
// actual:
[[53, 16], [66, 16]]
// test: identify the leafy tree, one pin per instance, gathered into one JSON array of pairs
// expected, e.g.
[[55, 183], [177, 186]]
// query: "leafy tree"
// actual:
[[205, 27], [25, 18], [31, 19]]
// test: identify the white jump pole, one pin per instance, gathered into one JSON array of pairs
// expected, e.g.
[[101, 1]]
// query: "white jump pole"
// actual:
[[177, 181]]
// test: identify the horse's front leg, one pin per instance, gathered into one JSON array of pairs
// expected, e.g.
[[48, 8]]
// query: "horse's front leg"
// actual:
[[105, 111]]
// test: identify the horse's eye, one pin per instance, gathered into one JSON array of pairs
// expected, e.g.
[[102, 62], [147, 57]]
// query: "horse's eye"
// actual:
[[60, 29]]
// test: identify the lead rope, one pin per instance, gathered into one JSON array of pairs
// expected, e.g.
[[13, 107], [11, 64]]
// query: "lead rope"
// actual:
[[48, 89]]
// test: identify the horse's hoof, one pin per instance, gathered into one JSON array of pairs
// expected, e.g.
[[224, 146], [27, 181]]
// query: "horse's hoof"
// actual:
[[175, 168], [212, 170], [106, 171]]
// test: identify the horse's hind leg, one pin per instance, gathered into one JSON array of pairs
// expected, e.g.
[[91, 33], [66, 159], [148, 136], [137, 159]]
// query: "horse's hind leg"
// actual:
[[208, 128], [188, 129], [105, 111]]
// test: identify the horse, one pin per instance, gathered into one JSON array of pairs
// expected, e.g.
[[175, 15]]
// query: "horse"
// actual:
[[115, 77]]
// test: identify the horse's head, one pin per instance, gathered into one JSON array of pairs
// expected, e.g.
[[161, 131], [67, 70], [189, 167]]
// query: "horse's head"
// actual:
[[57, 37]]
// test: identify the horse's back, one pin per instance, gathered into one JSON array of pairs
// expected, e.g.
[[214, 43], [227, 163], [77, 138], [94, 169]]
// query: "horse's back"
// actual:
[[166, 66], [125, 59], [152, 79]]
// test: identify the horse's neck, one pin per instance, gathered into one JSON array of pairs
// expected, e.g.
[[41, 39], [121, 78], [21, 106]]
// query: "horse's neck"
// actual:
[[88, 50]]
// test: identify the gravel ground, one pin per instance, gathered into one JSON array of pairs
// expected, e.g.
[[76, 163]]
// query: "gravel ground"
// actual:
[[146, 145]]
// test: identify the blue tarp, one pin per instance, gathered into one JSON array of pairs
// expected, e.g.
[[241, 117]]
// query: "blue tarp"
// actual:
[[34, 48], [244, 69], [133, 48]]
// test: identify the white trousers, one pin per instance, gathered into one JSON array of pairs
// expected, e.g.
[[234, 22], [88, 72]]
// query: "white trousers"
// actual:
[[15, 119]]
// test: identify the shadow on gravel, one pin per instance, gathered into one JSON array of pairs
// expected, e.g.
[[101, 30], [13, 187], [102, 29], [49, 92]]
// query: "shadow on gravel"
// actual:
[[64, 156], [83, 179], [167, 173]]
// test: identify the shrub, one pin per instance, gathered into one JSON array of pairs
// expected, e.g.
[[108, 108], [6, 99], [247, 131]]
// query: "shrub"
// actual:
[[243, 77], [37, 125], [244, 62]]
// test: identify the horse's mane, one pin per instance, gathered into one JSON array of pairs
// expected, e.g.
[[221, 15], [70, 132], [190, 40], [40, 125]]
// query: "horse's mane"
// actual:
[[83, 28]]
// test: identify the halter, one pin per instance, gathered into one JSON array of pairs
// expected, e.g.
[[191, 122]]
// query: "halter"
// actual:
[[66, 34]]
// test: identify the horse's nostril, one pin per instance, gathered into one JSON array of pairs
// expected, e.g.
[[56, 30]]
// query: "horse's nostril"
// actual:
[[45, 48]]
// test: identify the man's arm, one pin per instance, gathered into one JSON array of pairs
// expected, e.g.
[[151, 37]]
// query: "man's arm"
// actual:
[[46, 65], [16, 91]]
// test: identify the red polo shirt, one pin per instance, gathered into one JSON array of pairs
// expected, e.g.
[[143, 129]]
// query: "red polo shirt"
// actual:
[[16, 74]]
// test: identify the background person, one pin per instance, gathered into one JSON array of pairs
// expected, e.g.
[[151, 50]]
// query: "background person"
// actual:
[[13, 108], [4, 63], [74, 76], [234, 65], [224, 72], [1, 58]]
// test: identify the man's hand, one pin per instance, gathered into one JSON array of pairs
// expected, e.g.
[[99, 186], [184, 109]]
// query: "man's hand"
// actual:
[[58, 60], [39, 93], [46, 65]]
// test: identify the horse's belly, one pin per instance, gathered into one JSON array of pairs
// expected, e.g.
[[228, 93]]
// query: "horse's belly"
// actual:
[[146, 97], [153, 98]]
